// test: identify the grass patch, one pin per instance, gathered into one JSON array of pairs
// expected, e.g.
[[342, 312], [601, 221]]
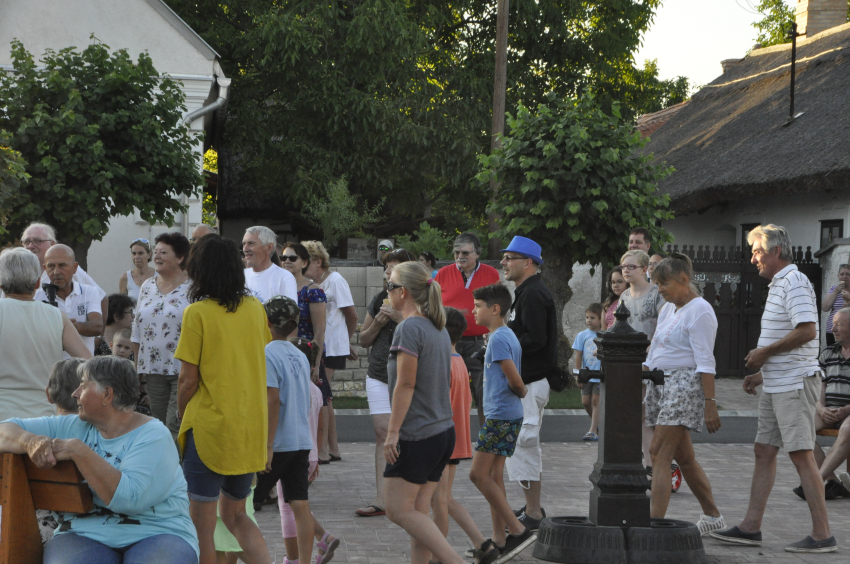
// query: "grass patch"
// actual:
[[568, 399]]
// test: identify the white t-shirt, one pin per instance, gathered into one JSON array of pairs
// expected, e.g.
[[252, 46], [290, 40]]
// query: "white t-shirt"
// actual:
[[271, 282], [80, 277], [82, 301], [339, 296], [791, 301], [685, 338]]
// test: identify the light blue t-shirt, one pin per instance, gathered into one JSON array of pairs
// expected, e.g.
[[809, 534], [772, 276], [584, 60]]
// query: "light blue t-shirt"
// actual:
[[584, 343], [500, 402], [288, 370], [151, 497]]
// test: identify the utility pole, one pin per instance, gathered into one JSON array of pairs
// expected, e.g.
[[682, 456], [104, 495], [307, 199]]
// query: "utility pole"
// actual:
[[499, 87]]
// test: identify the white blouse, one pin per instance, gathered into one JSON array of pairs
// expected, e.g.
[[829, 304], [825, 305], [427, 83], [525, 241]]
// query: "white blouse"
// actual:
[[156, 327], [685, 338]]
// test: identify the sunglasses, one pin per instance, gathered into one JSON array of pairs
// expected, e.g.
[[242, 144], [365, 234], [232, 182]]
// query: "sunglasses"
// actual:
[[384, 248], [145, 241], [290, 258], [464, 253], [392, 286]]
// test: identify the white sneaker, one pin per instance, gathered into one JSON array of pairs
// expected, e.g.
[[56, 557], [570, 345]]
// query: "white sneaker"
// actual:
[[844, 478], [707, 524]]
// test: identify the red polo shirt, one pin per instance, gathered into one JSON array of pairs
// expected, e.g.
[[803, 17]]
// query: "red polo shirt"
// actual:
[[456, 295]]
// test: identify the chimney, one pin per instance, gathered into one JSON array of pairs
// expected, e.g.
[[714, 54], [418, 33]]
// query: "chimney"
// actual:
[[815, 16], [729, 63]]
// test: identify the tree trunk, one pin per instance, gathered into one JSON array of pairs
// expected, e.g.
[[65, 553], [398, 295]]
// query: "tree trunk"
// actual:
[[499, 88], [81, 251], [557, 272]]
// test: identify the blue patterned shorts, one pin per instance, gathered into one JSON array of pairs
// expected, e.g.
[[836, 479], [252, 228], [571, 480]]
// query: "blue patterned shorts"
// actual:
[[498, 436]]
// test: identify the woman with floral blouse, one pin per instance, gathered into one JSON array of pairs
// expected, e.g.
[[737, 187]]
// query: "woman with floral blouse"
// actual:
[[156, 328]]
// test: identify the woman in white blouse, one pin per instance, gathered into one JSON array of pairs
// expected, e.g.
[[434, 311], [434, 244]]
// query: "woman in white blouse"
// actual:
[[156, 327], [683, 347]]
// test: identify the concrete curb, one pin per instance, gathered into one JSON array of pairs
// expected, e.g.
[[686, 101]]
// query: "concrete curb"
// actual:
[[581, 412]]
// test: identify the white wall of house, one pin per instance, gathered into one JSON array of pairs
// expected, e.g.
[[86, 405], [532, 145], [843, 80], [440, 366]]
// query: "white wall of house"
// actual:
[[800, 215], [138, 26]]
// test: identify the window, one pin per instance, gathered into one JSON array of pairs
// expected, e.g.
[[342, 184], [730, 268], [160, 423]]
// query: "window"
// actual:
[[830, 230]]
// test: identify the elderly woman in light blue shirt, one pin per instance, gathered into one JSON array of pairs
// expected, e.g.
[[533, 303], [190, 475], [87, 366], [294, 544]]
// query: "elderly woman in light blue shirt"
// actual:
[[141, 509]]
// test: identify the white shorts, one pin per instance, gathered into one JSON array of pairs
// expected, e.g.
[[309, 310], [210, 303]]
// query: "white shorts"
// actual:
[[378, 395], [527, 462]]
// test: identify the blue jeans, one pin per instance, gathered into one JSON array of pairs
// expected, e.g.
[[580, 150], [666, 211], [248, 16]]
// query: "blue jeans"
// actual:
[[69, 548]]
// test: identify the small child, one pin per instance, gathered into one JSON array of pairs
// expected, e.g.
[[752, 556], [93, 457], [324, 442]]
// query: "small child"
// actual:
[[503, 390], [61, 384], [442, 503], [326, 543], [289, 444], [121, 344], [585, 357]]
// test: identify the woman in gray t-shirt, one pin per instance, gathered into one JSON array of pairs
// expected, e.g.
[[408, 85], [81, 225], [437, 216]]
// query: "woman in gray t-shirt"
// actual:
[[420, 435]]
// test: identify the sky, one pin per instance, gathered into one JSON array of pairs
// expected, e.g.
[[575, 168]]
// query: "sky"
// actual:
[[690, 37]]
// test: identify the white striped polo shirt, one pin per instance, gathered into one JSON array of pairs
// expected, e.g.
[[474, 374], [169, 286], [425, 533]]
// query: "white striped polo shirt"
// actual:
[[791, 301]]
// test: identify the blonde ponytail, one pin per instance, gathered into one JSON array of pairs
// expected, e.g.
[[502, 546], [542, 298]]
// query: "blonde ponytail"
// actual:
[[425, 293]]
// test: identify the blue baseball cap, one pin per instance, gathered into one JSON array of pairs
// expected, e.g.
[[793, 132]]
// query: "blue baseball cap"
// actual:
[[525, 247]]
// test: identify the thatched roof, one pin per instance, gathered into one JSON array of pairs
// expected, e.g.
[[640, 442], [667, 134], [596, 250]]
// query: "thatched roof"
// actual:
[[730, 141]]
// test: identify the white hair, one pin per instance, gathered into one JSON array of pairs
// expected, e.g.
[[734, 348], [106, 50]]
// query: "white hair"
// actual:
[[264, 234], [51, 233], [20, 271], [772, 236]]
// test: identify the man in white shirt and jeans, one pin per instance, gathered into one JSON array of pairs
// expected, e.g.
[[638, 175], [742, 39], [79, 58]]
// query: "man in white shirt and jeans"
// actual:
[[264, 279], [787, 356]]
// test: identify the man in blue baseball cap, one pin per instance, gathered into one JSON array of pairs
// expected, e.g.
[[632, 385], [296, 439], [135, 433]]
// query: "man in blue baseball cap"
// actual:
[[534, 321]]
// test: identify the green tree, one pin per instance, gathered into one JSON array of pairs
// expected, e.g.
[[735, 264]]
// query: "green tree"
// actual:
[[339, 214], [101, 135], [397, 95], [775, 26], [573, 179], [427, 238], [12, 176]]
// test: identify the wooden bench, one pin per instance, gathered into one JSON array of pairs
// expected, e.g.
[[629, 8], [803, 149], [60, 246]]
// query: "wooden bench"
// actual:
[[832, 433], [24, 488]]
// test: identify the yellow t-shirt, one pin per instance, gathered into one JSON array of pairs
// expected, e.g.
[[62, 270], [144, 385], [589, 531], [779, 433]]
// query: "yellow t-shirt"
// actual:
[[228, 414]]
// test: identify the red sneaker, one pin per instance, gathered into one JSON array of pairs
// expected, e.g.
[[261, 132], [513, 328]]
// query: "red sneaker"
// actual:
[[676, 476]]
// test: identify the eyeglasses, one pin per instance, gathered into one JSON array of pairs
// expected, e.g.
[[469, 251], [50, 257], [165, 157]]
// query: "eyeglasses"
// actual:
[[36, 241], [290, 258], [392, 286], [463, 253], [145, 241], [630, 266], [384, 248], [509, 259]]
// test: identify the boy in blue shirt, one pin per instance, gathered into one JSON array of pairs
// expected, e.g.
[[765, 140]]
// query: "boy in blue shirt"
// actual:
[[288, 386], [503, 390], [585, 357]]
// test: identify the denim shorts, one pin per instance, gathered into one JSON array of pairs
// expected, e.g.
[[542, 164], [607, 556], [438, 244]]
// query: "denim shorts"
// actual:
[[204, 484]]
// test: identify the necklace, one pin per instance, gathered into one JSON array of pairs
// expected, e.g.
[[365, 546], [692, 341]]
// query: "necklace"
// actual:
[[166, 287]]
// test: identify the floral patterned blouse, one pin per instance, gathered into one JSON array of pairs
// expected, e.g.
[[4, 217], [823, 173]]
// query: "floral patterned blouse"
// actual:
[[307, 296], [156, 327]]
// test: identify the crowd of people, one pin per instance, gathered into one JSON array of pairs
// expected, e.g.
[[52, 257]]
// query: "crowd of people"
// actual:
[[202, 390]]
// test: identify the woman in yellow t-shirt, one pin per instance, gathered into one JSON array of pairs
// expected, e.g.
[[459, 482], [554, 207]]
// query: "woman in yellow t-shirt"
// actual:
[[221, 395]]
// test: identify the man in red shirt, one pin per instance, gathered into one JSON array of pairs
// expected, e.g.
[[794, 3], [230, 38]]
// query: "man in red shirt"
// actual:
[[457, 282]]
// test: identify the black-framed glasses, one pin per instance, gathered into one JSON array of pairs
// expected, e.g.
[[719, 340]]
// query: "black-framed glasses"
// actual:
[[392, 286], [36, 241], [290, 258], [629, 266], [461, 253]]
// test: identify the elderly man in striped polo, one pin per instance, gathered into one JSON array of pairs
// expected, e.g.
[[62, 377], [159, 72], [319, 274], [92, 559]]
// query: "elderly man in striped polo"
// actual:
[[787, 360]]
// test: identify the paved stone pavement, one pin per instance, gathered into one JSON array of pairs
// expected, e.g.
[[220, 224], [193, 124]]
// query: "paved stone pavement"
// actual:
[[346, 485]]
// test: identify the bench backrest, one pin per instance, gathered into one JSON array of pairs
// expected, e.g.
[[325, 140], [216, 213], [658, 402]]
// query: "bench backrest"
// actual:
[[25, 488]]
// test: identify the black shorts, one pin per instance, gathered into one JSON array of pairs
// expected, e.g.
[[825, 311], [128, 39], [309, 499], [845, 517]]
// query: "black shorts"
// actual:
[[423, 461], [335, 362], [291, 469]]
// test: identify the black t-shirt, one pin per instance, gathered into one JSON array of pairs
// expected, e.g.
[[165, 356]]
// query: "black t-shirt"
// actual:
[[380, 351]]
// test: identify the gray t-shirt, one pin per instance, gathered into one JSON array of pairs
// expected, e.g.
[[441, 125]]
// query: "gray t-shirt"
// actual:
[[644, 310], [430, 410], [380, 350]]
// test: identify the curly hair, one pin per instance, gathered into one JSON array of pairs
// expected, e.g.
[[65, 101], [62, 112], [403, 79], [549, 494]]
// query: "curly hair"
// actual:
[[317, 251], [118, 304], [178, 243], [217, 272]]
